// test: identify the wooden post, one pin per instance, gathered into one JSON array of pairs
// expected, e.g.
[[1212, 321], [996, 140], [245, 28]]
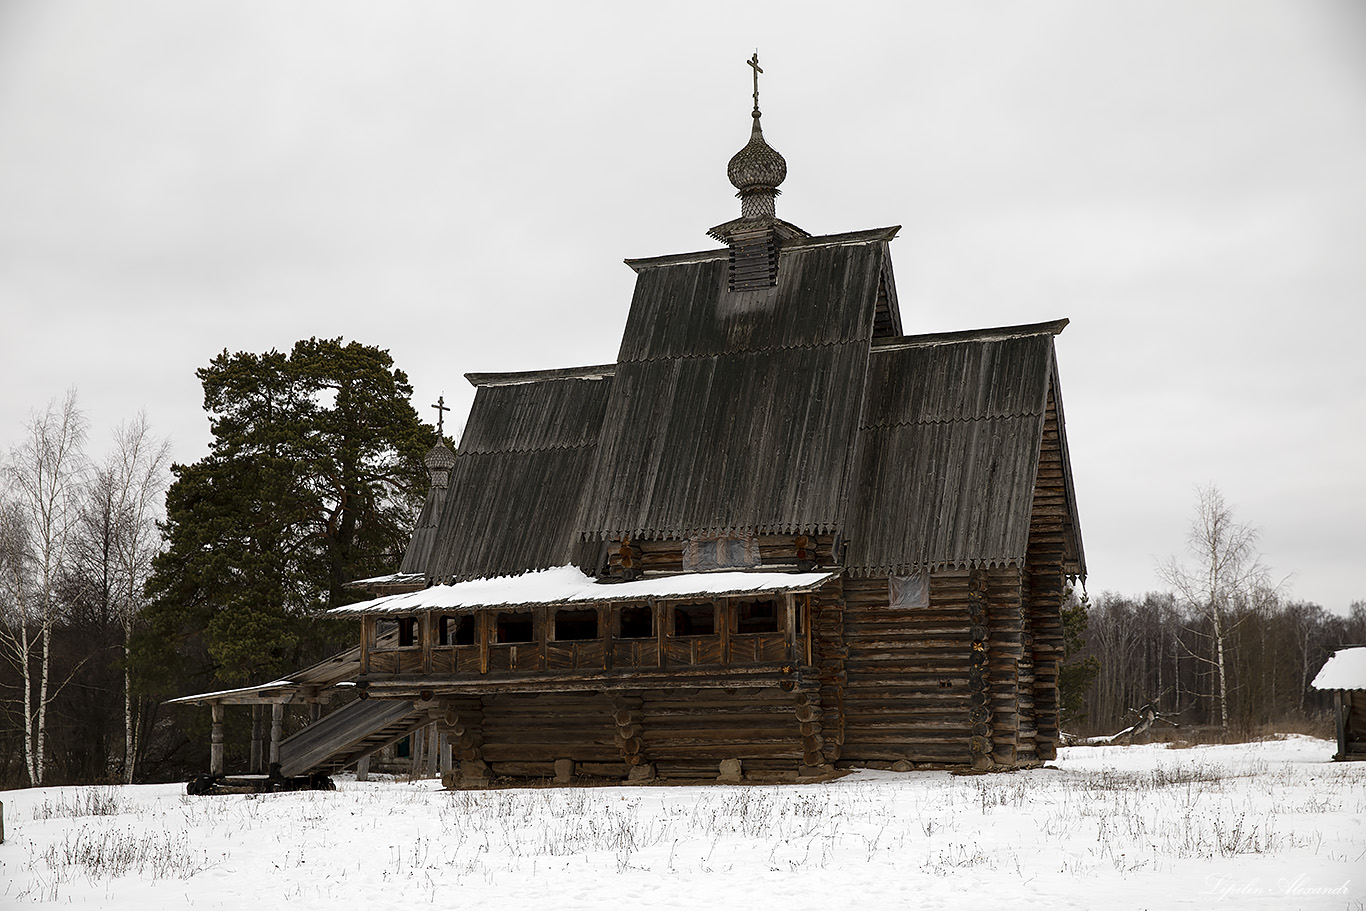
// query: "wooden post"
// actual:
[[415, 744], [542, 621], [808, 621], [790, 622], [257, 749], [315, 711], [721, 621], [216, 741], [277, 730], [367, 636], [427, 625], [607, 633], [363, 769], [434, 745], [445, 751], [483, 629], [661, 613], [1341, 705]]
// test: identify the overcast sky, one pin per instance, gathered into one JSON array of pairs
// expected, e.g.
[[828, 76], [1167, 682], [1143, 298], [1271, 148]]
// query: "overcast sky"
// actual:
[[459, 183]]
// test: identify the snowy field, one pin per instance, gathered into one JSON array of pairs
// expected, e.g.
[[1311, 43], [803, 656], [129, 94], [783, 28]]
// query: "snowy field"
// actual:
[[1270, 825]]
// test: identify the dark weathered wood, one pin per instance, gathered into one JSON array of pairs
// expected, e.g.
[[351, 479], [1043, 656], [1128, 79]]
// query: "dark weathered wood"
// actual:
[[277, 730], [339, 732], [772, 415], [216, 745], [258, 757]]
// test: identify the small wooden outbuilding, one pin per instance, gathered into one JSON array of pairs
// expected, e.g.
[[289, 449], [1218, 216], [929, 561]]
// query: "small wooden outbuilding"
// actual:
[[1344, 674]]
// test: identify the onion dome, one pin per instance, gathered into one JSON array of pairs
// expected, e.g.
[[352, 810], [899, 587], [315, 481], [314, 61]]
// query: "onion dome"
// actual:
[[439, 461], [439, 457], [756, 171], [758, 168]]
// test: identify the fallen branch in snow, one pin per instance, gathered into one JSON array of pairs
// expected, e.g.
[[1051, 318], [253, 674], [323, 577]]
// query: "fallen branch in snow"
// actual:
[[1147, 716]]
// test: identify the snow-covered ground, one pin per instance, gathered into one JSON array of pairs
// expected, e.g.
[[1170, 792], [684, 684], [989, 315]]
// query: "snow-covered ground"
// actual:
[[1270, 825]]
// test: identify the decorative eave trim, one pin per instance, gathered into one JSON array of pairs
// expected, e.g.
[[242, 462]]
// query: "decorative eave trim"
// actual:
[[784, 231], [932, 566], [709, 531]]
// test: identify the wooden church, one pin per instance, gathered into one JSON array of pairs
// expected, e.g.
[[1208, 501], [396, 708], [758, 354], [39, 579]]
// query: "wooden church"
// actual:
[[776, 538]]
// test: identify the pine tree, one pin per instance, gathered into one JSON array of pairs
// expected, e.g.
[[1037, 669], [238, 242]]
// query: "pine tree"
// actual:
[[1075, 675], [311, 481]]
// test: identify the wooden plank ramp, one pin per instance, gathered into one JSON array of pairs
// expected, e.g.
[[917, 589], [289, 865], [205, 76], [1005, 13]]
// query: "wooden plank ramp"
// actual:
[[348, 735]]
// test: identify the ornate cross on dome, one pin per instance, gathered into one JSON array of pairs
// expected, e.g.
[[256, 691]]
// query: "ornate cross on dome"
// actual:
[[754, 62], [441, 410]]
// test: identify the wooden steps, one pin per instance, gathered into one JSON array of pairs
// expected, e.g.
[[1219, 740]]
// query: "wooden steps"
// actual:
[[348, 735]]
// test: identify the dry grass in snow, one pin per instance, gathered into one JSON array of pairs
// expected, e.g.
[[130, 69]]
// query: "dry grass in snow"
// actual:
[[1264, 825]]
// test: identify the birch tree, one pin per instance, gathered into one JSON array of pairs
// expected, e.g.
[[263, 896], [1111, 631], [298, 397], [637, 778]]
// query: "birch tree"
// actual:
[[1226, 572], [137, 472], [44, 479], [15, 599]]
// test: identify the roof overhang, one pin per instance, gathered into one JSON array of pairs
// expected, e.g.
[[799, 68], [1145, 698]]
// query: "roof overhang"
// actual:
[[875, 235], [275, 691], [995, 333], [523, 377], [391, 584], [565, 585]]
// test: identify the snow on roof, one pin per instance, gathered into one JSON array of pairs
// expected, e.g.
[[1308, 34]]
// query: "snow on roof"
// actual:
[[569, 584], [1346, 670]]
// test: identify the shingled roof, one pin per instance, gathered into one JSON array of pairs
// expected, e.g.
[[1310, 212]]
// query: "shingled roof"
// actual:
[[528, 445], [738, 410], [950, 446], [774, 411]]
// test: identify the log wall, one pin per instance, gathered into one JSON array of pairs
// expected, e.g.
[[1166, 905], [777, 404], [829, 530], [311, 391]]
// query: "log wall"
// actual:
[[1005, 651], [906, 693], [628, 559], [1044, 581], [684, 732], [826, 646], [935, 684], [970, 679]]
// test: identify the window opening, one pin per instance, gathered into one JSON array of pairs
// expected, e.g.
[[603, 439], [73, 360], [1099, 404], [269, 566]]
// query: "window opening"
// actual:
[[409, 632], [756, 616], [909, 591], [702, 555], [637, 622], [575, 625], [694, 619], [457, 630], [516, 627]]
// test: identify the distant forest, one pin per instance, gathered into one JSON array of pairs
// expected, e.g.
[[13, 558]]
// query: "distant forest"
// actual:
[[1156, 649]]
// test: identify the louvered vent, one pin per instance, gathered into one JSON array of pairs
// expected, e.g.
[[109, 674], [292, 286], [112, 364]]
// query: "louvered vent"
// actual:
[[885, 322], [753, 263]]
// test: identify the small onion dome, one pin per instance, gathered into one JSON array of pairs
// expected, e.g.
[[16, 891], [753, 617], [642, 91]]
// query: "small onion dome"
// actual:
[[439, 458], [757, 167]]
